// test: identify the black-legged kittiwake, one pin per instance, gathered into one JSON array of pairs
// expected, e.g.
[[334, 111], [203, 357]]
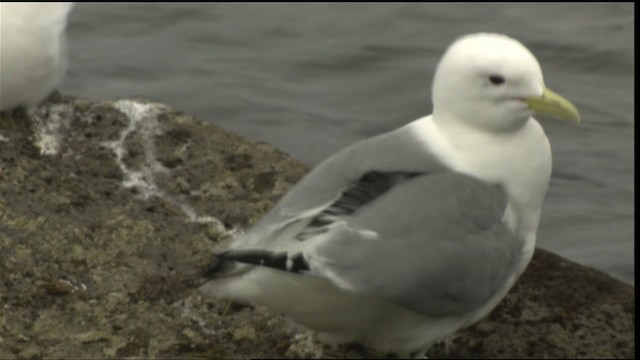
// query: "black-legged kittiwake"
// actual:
[[401, 239], [33, 55]]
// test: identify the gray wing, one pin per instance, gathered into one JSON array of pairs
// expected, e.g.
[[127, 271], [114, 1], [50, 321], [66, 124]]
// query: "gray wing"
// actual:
[[385, 217], [434, 244], [396, 151]]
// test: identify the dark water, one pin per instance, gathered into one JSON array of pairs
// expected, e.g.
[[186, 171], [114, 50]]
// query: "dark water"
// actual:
[[312, 78]]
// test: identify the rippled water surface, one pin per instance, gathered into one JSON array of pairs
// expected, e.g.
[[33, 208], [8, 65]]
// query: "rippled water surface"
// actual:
[[312, 78]]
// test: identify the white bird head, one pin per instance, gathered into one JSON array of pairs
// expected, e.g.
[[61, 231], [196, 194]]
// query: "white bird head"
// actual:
[[492, 82]]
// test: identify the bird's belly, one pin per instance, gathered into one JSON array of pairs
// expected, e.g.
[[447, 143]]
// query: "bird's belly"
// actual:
[[349, 316]]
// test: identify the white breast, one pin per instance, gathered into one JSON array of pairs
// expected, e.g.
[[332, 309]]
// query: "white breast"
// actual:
[[32, 51]]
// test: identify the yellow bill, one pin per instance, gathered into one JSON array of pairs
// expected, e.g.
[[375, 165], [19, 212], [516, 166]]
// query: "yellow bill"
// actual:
[[555, 105]]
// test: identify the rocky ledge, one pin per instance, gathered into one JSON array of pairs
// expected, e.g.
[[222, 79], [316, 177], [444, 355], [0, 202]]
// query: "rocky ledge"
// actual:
[[110, 211]]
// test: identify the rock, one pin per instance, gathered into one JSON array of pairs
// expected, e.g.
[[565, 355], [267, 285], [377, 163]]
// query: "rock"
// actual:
[[557, 309], [305, 345], [246, 332], [108, 218]]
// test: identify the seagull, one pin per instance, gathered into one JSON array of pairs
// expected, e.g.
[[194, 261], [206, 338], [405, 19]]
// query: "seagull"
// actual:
[[33, 55], [399, 240]]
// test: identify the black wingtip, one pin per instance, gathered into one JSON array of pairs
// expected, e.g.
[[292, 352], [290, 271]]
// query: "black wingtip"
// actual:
[[275, 260]]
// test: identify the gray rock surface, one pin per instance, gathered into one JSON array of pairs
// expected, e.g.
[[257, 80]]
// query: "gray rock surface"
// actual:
[[110, 211]]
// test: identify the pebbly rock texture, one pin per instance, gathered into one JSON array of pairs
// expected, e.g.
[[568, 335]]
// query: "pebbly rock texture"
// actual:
[[110, 211]]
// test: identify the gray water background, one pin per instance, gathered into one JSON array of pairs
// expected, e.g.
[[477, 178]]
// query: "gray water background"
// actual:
[[311, 78]]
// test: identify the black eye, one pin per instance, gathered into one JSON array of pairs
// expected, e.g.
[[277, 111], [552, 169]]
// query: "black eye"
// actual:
[[496, 79]]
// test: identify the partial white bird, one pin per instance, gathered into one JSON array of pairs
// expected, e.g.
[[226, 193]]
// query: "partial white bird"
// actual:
[[402, 239], [33, 56]]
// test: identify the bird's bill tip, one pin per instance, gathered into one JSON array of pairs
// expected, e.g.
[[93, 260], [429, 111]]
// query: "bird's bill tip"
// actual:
[[553, 104]]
